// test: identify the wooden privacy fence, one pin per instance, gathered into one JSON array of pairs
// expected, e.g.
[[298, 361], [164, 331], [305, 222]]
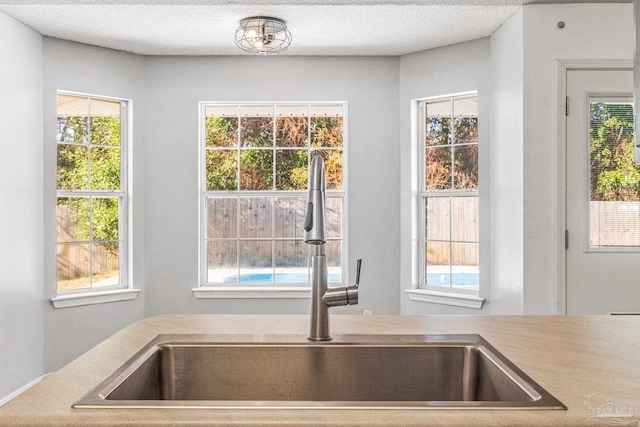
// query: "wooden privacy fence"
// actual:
[[74, 260], [278, 218], [455, 219], [614, 224]]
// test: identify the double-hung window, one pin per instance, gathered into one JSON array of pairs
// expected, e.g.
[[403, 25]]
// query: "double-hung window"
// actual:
[[253, 183], [449, 243], [91, 185]]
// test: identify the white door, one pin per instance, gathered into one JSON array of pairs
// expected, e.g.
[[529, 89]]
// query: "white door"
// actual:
[[602, 194]]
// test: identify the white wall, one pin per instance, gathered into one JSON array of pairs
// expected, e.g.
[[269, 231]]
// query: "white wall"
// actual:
[[448, 70], [592, 31], [86, 69], [507, 187], [175, 85], [21, 301]]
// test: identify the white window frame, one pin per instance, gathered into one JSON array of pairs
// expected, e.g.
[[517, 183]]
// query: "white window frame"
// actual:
[[124, 290], [421, 291], [242, 290]]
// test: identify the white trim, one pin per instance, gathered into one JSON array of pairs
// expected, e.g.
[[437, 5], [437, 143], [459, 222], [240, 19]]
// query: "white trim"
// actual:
[[88, 298], [563, 66], [230, 292], [446, 298], [22, 389]]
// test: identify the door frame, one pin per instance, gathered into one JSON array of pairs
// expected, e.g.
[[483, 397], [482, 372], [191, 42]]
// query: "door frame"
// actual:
[[563, 66]]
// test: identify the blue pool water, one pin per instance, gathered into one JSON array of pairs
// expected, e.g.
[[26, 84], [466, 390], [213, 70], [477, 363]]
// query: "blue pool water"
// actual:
[[279, 278], [458, 280]]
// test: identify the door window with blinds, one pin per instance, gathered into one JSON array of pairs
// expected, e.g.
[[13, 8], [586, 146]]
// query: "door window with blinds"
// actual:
[[614, 178], [254, 170], [449, 194], [91, 193]]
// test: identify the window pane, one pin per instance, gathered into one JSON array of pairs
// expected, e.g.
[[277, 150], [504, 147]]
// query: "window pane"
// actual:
[[104, 216], [438, 108], [255, 261], [464, 211], [466, 129], [464, 268], [438, 130], [73, 268], [106, 271], [73, 129], [256, 170], [292, 131], [333, 217], [291, 169], [614, 177], [326, 132], [105, 168], [256, 217], [73, 167], [333, 251], [437, 261], [256, 131], [104, 108], [221, 170], [222, 216], [221, 131], [437, 123], [614, 224], [438, 220], [465, 123], [290, 259], [222, 262], [73, 219], [289, 217], [466, 167], [105, 123], [72, 105], [438, 168]]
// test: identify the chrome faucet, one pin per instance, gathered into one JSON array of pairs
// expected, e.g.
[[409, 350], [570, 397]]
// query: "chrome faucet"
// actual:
[[322, 297]]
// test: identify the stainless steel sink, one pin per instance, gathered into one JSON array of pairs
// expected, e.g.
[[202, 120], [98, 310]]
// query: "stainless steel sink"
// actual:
[[352, 371]]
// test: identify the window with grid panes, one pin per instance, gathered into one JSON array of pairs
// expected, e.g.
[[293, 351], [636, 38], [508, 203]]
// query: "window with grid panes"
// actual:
[[449, 194], [91, 193], [255, 163]]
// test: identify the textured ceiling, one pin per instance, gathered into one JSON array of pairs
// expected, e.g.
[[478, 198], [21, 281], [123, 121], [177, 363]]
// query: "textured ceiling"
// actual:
[[207, 27]]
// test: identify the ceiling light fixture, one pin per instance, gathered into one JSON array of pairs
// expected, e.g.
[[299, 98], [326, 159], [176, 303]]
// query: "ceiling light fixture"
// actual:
[[263, 35]]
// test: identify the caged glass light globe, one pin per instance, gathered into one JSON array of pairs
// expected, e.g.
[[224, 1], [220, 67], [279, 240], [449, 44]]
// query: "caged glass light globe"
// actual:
[[263, 35]]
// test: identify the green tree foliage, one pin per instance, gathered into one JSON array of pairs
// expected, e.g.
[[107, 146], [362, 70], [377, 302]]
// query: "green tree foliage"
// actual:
[[258, 151], [448, 164], [614, 175], [90, 161]]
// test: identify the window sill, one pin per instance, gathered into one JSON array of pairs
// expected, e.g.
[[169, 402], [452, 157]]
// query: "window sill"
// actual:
[[230, 292], [446, 298], [88, 298]]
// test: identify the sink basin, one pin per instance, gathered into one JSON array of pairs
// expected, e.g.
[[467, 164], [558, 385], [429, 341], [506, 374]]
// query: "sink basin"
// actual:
[[286, 371]]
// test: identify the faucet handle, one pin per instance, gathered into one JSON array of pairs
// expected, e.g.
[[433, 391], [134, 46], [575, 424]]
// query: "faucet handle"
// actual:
[[358, 267], [345, 295]]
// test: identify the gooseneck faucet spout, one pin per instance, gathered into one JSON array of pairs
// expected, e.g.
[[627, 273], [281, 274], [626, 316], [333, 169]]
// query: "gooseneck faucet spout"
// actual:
[[314, 218], [322, 297]]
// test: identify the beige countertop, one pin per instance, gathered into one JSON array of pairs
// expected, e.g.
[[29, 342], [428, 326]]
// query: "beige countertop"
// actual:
[[571, 357]]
